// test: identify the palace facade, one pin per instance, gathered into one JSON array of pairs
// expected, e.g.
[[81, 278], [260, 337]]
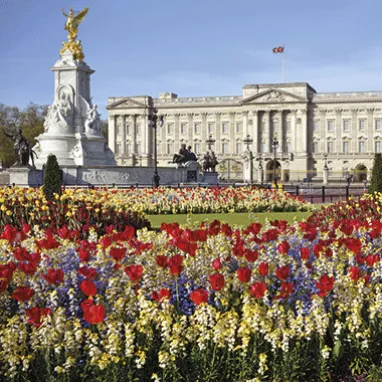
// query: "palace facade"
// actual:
[[341, 130]]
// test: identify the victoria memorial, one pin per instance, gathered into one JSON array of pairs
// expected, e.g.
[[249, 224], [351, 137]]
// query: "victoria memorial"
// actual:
[[289, 126]]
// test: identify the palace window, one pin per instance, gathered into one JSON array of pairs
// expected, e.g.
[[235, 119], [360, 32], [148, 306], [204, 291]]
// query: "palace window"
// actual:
[[170, 128], [238, 148], [315, 147], [239, 127], [225, 126], [197, 148], [264, 147], [315, 126], [330, 126], [138, 148], [158, 147], [127, 129], [346, 125], [345, 147], [225, 148], [211, 128], [197, 128], [117, 149], [183, 128], [330, 147], [378, 124], [289, 147], [137, 129], [128, 149], [169, 148], [362, 124], [377, 146], [288, 126], [361, 146]]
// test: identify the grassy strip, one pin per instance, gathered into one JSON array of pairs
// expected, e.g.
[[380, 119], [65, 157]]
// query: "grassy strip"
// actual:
[[239, 219]]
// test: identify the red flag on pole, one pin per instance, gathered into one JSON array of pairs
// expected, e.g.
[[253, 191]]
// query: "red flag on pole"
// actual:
[[279, 49]]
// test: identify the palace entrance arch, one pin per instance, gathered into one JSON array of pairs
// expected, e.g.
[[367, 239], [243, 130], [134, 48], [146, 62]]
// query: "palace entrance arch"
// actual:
[[269, 169], [360, 173]]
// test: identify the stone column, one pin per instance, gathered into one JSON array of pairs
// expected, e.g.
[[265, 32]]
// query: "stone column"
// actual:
[[217, 147], [176, 127], [231, 134], [322, 148], [280, 135], [304, 131], [338, 147], [203, 147], [255, 131], [112, 133], [267, 130], [370, 139], [293, 127], [123, 134], [354, 128], [190, 129], [133, 133], [245, 124], [162, 132]]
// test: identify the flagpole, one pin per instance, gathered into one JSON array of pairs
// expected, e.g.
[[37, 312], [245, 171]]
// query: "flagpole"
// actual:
[[283, 65]]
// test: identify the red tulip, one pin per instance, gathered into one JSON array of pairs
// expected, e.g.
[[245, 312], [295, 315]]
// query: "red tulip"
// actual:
[[88, 287], [87, 304], [286, 290], [199, 296], [54, 276], [263, 269], [283, 248], [134, 272], [89, 273], [162, 261], [118, 254], [106, 241], [258, 289], [94, 314], [354, 273], [23, 293], [324, 285], [244, 274], [84, 255], [35, 314], [3, 285], [217, 264], [305, 253], [251, 256], [163, 293], [282, 273], [175, 264], [217, 281]]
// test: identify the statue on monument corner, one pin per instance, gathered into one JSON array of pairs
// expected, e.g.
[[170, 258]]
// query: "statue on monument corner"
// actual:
[[72, 23], [209, 161], [185, 155], [22, 148]]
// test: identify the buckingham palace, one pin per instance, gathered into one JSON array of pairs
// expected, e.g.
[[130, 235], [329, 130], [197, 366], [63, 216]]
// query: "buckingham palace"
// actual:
[[288, 125]]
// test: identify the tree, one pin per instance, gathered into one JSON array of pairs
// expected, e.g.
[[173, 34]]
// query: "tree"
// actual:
[[376, 175], [105, 127], [52, 178]]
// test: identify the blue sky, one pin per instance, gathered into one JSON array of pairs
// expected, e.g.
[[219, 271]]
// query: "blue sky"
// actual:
[[192, 47]]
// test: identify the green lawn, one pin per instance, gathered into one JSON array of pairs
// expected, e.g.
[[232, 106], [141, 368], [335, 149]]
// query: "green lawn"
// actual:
[[240, 219]]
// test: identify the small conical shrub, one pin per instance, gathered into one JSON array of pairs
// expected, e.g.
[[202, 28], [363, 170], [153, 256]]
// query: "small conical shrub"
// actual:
[[376, 175], [52, 178]]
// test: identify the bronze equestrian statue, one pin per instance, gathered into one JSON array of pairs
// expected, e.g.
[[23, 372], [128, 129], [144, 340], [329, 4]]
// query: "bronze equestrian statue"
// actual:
[[210, 162], [185, 155]]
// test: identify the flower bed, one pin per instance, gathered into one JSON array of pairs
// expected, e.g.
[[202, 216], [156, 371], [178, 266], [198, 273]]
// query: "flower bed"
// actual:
[[76, 209], [281, 302], [209, 200]]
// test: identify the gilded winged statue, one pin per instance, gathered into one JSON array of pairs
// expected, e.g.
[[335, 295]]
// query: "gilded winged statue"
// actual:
[[72, 23]]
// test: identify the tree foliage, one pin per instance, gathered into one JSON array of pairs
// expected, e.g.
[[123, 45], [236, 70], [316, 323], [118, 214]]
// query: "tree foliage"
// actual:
[[52, 178], [30, 120], [376, 175]]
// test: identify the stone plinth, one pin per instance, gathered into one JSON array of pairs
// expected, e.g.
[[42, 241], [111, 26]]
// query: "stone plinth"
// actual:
[[211, 178], [25, 176]]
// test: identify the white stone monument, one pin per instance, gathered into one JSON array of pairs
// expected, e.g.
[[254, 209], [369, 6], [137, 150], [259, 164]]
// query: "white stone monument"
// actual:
[[72, 129]]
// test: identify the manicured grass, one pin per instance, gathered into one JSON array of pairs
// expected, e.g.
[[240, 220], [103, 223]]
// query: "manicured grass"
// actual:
[[239, 219]]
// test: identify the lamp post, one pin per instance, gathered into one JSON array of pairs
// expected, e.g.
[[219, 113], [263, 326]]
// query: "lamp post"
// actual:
[[260, 170], [153, 119], [275, 144]]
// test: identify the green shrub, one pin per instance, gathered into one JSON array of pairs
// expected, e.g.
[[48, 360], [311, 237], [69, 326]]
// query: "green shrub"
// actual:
[[52, 178], [376, 176]]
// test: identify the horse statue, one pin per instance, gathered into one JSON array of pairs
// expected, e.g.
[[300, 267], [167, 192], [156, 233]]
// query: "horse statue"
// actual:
[[185, 155], [209, 162]]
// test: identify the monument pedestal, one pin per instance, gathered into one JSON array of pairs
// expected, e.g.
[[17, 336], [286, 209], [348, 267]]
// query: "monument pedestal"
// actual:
[[25, 176], [211, 178]]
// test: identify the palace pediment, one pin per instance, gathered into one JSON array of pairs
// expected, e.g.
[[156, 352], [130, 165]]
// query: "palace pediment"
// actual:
[[272, 96], [126, 103]]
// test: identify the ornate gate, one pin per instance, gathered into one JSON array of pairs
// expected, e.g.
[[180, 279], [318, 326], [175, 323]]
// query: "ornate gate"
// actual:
[[230, 170]]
